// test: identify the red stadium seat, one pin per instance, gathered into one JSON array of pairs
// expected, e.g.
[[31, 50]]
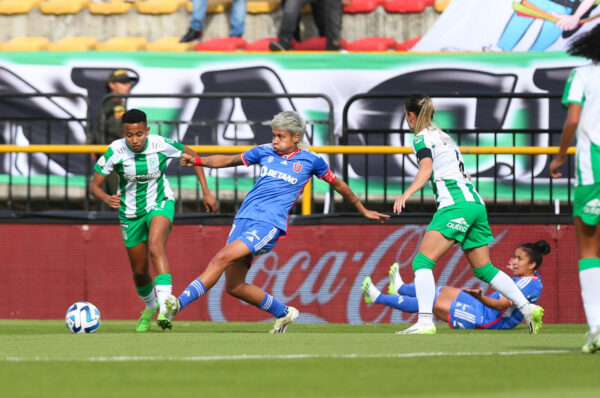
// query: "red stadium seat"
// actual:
[[313, 44], [260, 45], [407, 6], [358, 6], [408, 44], [372, 44], [222, 44]]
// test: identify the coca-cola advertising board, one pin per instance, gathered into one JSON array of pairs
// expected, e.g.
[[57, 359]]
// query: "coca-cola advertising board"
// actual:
[[317, 268]]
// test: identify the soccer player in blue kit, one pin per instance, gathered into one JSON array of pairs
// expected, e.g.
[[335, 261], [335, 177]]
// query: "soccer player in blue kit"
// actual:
[[285, 168], [468, 308]]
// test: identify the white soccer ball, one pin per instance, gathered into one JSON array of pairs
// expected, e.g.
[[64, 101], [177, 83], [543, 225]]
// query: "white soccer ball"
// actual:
[[83, 317]]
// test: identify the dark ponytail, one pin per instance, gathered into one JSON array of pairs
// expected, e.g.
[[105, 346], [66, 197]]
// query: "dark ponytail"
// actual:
[[536, 251]]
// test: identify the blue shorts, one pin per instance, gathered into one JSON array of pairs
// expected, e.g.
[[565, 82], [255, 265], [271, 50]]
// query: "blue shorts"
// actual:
[[466, 312], [260, 237]]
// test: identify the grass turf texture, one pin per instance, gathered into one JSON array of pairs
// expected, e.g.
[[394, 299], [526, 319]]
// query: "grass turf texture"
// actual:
[[42, 359]]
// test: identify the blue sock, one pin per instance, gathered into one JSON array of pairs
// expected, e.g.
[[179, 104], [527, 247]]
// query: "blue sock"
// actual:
[[273, 307], [191, 293], [408, 289], [402, 303]]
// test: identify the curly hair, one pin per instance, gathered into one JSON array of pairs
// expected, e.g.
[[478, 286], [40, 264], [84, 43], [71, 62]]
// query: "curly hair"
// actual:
[[587, 45]]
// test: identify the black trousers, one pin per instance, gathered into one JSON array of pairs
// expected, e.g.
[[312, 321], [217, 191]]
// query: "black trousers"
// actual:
[[329, 13]]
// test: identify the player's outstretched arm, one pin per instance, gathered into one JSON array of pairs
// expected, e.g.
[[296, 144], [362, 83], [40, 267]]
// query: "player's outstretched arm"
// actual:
[[208, 199], [214, 161], [113, 201], [343, 189]]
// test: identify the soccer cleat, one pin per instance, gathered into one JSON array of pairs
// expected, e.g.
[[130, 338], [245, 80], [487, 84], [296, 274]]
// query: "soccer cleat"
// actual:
[[172, 305], [163, 322], [593, 343], [395, 279], [533, 317], [371, 292], [282, 323], [419, 328], [143, 324]]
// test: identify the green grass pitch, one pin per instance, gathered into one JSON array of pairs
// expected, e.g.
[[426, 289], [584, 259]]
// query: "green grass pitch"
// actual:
[[203, 359]]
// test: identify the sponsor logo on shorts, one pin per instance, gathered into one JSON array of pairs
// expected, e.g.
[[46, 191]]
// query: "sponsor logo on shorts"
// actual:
[[459, 224], [250, 235], [592, 207]]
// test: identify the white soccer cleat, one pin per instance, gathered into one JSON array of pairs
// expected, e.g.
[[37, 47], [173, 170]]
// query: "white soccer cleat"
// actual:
[[419, 328], [282, 323], [370, 290], [593, 343], [172, 305], [395, 279], [533, 315]]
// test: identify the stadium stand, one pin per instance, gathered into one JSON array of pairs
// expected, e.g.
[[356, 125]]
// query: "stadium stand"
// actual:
[[123, 44], [157, 6], [213, 6], [222, 44], [440, 5], [362, 6], [113, 7], [61, 7], [169, 44], [74, 44], [262, 6], [12, 7], [407, 44], [407, 6], [372, 44], [26, 44]]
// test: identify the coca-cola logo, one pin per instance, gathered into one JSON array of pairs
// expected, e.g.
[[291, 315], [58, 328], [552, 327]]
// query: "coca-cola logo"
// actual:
[[324, 281]]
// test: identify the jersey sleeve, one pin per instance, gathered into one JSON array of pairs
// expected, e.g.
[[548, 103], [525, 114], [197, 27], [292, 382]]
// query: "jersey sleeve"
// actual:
[[106, 163], [252, 155], [421, 147], [574, 90], [171, 148], [321, 170], [531, 288]]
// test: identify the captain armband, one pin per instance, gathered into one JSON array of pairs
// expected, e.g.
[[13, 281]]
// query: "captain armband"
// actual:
[[424, 153], [329, 177]]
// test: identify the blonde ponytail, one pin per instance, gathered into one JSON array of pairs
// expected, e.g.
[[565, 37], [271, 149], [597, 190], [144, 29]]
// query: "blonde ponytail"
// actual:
[[422, 106]]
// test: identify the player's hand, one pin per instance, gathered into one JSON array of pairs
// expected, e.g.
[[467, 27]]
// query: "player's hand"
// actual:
[[566, 22], [474, 292], [187, 160], [374, 215], [400, 203], [210, 202], [555, 165], [114, 201]]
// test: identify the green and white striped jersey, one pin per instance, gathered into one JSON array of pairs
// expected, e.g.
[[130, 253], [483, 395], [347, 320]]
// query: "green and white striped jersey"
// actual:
[[583, 88], [142, 180], [449, 180]]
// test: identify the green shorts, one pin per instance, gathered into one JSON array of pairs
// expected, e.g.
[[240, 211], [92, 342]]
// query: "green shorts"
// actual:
[[135, 230], [586, 204], [466, 223]]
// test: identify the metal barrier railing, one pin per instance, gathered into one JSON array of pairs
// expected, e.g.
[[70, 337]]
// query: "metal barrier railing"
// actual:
[[510, 180]]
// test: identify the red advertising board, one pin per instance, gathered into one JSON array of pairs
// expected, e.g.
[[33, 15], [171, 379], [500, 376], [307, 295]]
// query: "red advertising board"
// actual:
[[318, 269]]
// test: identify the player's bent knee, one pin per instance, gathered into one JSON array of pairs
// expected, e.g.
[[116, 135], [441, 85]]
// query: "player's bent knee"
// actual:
[[422, 262]]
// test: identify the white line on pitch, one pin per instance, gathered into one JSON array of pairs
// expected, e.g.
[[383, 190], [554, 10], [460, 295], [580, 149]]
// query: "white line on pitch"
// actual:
[[271, 357]]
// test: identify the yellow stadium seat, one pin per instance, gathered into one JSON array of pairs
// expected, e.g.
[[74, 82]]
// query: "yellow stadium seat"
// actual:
[[61, 7], [26, 44], [170, 44], [74, 44], [123, 44], [158, 6], [213, 6], [12, 7], [113, 7], [440, 5], [262, 6]]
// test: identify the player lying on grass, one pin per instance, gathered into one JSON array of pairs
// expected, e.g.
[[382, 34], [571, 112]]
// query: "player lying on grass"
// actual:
[[284, 170], [468, 308], [146, 206]]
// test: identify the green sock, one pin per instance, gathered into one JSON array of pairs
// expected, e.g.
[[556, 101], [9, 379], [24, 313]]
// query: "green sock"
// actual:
[[422, 262], [486, 273], [587, 263]]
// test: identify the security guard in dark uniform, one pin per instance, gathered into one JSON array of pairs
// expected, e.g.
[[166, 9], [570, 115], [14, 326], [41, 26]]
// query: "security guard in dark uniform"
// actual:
[[108, 125]]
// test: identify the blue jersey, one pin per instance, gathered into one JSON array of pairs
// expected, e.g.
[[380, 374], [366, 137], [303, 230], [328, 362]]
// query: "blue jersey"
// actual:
[[531, 286], [280, 182]]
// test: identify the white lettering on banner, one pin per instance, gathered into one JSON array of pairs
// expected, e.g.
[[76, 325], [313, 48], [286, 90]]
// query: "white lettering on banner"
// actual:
[[326, 270], [266, 172]]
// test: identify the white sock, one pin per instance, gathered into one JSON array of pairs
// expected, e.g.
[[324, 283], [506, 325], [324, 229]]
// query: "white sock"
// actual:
[[373, 292], [590, 293], [150, 301], [504, 285], [425, 289], [162, 293]]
